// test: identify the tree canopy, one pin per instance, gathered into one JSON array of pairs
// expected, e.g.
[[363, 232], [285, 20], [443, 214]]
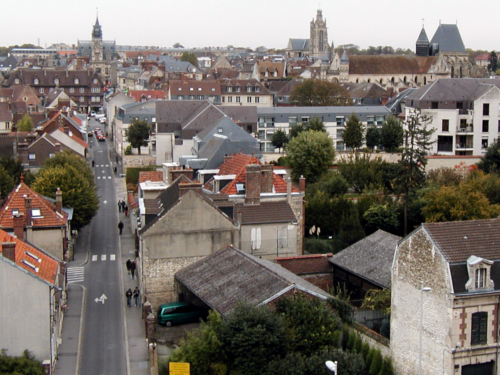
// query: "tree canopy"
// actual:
[[26, 364], [190, 57], [493, 64], [354, 132], [320, 93], [373, 137], [137, 134], [25, 124], [391, 134], [279, 139], [310, 154], [491, 160]]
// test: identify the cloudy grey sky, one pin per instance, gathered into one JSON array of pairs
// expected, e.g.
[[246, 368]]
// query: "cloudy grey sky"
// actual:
[[270, 23]]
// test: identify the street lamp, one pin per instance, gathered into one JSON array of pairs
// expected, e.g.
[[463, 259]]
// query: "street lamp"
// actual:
[[332, 366], [425, 289]]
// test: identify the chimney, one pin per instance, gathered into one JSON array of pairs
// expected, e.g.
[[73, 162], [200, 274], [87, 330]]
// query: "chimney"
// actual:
[[57, 147], [19, 226], [252, 184], [289, 190], [184, 187], [302, 184], [27, 204], [189, 173], [266, 181], [59, 201], [9, 251], [23, 152]]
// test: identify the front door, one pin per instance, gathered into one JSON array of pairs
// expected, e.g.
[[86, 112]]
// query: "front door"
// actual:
[[479, 369]]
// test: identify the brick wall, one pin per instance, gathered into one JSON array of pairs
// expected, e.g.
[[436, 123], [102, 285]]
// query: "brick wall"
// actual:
[[314, 268]]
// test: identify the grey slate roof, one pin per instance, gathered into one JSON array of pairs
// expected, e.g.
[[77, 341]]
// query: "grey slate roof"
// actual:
[[422, 38], [266, 213], [448, 38], [229, 276], [300, 44], [371, 258]]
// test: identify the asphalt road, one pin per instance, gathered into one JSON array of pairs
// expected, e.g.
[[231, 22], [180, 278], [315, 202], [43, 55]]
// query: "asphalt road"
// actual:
[[103, 345]]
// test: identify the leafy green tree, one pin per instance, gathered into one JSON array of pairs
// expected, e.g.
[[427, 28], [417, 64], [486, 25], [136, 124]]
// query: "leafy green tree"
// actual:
[[312, 325], [373, 137], [190, 57], [25, 124], [376, 364], [361, 171], [310, 154], [353, 135], [381, 216], [7, 183], [331, 183], [15, 169], [319, 93], [315, 124], [77, 191], [413, 159], [68, 157], [137, 134], [279, 139], [391, 134], [491, 160], [26, 364], [252, 337], [488, 184], [378, 299], [493, 62], [351, 230]]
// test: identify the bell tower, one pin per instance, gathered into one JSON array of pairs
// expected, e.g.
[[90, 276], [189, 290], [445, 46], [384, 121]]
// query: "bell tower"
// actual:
[[318, 36], [97, 45]]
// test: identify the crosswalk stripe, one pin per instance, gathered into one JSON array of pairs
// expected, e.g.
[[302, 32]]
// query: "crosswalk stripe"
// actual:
[[94, 258], [75, 275], [112, 257], [98, 177], [109, 177], [103, 257]]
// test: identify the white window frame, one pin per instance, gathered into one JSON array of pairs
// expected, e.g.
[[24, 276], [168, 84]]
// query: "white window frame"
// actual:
[[256, 238]]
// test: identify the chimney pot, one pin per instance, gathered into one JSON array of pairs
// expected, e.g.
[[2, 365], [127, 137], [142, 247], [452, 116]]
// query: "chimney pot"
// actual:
[[19, 226]]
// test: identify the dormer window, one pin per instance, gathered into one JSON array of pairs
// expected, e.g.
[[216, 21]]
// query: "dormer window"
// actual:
[[76, 81], [56, 81], [479, 274], [36, 81], [16, 81], [96, 80], [15, 212], [238, 88], [257, 89], [229, 89], [249, 88]]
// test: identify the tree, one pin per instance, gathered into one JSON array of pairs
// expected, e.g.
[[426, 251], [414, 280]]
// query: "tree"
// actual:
[[319, 93], [391, 134], [378, 299], [7, 183], [491, 160], [25, 124], [315, 124], [190, 57], [372, 137], [493, 62], [26, 364], [331, 183], [137, 134], [78, 191], [361, 171], [381, 216], [351, 230], [15, 169], [279, 139], [353, 136], [417, 142], [310, 154]]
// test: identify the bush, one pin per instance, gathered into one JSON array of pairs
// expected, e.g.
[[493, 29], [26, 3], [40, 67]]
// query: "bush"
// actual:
[[344, 310], [128, 150], [376, 364], [386, 368], [369, 358], [358, 343]]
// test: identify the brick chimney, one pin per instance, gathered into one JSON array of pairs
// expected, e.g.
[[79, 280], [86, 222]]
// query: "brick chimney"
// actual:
[[27, 204], [9, 250], [19, 226], [266, 181], [189, 173], [302, 184], [59, 201], [252, 184], [22, 149], [289, 190], [184, 187], [57, 147]]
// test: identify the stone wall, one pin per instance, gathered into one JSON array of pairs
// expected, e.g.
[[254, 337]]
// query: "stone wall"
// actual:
[[137, 161]]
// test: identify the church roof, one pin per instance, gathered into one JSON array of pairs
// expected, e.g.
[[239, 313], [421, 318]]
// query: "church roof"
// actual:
[[448, 38], [390, 64], [299, 44], [344, 58], [422, 38]]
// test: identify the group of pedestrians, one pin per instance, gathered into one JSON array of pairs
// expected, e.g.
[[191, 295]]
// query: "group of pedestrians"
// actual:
[[122, 207], [136, 294], [131, 266]]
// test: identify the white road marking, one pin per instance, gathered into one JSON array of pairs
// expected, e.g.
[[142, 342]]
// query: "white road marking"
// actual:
[[103, 257], [112, 257], [101, 299], [94, 258], [75, 275]]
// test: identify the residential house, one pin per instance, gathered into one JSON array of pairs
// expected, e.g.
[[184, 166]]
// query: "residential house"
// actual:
[[366, 93], [229, 276], [33, 292], [334, 118], [267, 71], [151, 184], [445, 293], [245, 92], [194, 90], [34, 219], [463, 112]]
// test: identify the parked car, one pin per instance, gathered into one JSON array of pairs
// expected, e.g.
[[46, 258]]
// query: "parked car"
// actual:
[[102, 120], [92, 113], [179, 313], [99, 116]]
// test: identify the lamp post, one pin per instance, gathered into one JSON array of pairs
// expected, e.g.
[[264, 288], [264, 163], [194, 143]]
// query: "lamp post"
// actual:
[[425, 289], [332, 366]]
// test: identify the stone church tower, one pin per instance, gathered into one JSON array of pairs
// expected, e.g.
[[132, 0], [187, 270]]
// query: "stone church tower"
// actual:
[[97, 44], [318, 37]]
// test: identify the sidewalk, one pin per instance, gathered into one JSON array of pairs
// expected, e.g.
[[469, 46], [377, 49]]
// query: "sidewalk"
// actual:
[[137, 356]]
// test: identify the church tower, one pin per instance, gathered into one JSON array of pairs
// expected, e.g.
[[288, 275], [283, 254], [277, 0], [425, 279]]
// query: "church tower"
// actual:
[[318, 37], [422, 45], [97, 44]]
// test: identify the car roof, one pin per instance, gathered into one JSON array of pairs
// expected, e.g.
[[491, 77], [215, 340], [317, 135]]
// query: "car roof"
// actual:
[[174, 304]]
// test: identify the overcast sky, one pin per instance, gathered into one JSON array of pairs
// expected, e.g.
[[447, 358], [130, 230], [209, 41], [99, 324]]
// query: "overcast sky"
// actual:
[[270, 23]]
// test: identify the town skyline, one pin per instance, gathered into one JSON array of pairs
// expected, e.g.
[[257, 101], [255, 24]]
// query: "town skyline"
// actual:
[[196, 25]]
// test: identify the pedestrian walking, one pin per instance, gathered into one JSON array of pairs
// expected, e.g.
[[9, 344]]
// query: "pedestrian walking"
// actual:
[[128, 294], [120, 206], [127, 264], [136, 296], [115, 170], [125, 208], [132, 269], [120, 226], [93, 164]]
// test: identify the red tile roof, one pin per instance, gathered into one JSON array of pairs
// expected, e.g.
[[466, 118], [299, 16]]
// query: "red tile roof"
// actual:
[[147, 94], [38, 263], [150, 176], [75, 138], [49, 217]]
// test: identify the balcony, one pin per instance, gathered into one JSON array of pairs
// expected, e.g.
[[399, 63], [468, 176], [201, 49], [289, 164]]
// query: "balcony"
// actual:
[[466, 129], [463, 146]]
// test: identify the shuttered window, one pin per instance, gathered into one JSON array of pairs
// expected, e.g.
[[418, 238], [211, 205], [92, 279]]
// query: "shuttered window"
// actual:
[[479, 328], [255, 238]]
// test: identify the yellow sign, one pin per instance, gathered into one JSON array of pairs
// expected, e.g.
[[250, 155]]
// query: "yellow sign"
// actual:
[[178, 368]]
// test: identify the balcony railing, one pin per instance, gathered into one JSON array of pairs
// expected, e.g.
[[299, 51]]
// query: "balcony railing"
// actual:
[[464, 146], [466, 129]]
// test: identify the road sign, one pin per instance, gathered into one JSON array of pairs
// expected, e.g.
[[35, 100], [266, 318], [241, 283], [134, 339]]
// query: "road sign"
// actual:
[[101, 299], [178, 368]]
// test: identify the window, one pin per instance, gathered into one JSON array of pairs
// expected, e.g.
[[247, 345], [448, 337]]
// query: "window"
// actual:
[[16, 81], [304, 119], [257, 99], [257, 89], [82, 90], [486, 126], [240, 188], [223, 99], [249, 99], [95, 90], [238, 99], [76, 81], [380, 120], [292, 120], [486, 109], [32, 156], [229, 99], [249, 88], [480, 278], [35, 212], [51, 155], [434, 105], [238, 89], [56, 81], [229, 89], [71, 90], [370, 120], [484, 143], [445, 126], [479, 330], [95, 80], [199, 88], [41, 90], [340, 121], [499, 126], [82, 99], [191, 89], [36, 81]]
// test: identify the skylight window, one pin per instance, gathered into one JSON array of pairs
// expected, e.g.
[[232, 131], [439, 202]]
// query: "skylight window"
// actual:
[[240, 188], [15, 212], [36, 212]]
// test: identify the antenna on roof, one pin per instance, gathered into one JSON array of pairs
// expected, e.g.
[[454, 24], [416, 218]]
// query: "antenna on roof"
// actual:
[[423, 22]]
